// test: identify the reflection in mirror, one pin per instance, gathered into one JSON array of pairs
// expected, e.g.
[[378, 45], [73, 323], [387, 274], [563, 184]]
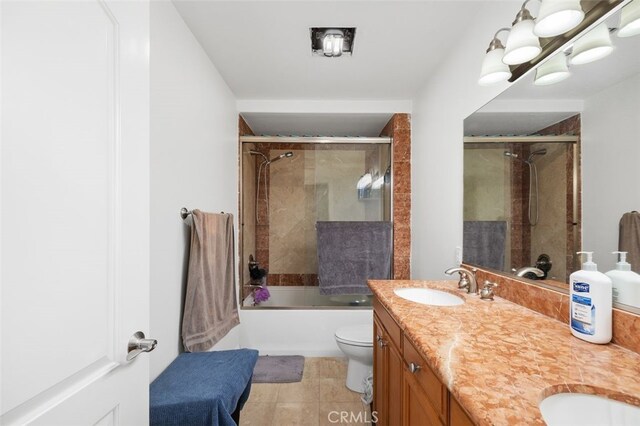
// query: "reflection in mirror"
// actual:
[[551, 170]]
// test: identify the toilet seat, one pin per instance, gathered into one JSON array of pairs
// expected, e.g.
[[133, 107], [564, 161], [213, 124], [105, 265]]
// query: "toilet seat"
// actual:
[[355, 335]]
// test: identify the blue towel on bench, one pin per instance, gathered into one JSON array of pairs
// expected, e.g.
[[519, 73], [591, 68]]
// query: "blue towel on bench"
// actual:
[[202, 388]]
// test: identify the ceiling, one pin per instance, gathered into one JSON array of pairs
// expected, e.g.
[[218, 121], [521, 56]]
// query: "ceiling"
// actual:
[[511, 123], [263, 49], [368, 125]]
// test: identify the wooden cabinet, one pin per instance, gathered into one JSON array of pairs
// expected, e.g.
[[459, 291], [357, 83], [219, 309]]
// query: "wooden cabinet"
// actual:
[[406, 390], [387, 373]]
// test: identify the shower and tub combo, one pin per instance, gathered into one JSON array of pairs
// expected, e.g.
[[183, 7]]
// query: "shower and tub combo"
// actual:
[[294, 214]]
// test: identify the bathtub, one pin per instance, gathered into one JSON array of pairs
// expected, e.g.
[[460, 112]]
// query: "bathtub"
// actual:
[[306, 296], [297, 329]]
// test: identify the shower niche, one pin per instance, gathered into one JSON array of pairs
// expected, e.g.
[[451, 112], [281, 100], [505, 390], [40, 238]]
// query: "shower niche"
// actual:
[[288, 185]]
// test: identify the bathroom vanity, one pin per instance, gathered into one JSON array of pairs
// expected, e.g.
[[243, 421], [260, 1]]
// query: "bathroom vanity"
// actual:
[[483, 362], [407, 391]]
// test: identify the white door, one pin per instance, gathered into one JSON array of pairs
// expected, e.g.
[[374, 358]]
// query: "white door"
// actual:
[[74, 154]]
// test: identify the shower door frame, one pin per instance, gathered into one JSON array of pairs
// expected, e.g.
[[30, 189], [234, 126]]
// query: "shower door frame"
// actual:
[[348, 140], [576, 219]]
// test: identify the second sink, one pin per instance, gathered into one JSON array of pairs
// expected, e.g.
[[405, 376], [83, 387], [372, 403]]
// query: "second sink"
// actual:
[[427, 296]]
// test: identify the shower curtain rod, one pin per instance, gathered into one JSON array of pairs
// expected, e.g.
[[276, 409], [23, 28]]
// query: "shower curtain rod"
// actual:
[[516, 139], [315, 139]]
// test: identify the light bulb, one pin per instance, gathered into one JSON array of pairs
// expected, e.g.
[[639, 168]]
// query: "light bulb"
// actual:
[[557, 17], [594, 45], [522, 44], [630, 20], [553, 71]]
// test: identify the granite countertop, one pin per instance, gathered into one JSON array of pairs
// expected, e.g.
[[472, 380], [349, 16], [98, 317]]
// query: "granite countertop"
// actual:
[[500, 359]]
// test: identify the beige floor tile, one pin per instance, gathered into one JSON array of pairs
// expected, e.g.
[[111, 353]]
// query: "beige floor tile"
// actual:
[[257, 414], [296, 414], [311, 368], [335, 390], [305, 391], [333, 368], [309, 402], [263, 392], [344, 413]]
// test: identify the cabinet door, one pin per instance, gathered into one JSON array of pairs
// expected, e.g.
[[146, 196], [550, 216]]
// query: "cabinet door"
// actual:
[[458, 416], [394, 385], [417, 411], [380, 385]]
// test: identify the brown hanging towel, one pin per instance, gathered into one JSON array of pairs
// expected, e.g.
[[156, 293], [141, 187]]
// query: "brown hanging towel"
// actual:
[[210, 307], [629, 239]]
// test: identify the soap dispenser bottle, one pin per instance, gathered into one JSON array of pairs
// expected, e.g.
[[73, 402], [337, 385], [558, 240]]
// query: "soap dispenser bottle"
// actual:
[[626, 283], [590, 303]]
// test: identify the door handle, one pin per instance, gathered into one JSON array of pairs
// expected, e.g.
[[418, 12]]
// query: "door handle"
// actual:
[[138, 344]]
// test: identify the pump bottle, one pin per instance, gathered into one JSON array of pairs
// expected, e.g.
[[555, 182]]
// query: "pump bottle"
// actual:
[[590, 303], [626, 283]]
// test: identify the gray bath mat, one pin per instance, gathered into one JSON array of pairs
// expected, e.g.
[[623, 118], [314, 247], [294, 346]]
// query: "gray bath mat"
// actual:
[[278, 369]]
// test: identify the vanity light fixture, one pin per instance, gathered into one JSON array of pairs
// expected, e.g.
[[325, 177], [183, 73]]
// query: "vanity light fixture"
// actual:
[[522, 43], [493, 69], [594, 45], [332, 42], [630, 20], [553, 71], [557, 17]]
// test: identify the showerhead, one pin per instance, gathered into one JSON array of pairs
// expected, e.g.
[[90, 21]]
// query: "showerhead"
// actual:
[[541, 151], [287, 154]]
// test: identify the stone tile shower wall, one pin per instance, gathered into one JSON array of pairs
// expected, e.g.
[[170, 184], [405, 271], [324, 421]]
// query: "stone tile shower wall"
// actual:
[[285, 232], [399, 129]]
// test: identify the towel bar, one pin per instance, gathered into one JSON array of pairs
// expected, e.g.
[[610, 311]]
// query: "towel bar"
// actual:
[[184, 213]]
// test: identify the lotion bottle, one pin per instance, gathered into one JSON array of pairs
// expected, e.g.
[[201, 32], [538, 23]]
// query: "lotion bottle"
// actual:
[[590, 303], [626, 283]]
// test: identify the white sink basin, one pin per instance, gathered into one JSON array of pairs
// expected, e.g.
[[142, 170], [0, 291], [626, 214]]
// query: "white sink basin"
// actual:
[[582, 409], [426, 296]]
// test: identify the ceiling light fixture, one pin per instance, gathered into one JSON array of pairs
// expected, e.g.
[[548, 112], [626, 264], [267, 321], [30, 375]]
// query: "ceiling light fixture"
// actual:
[[332, 42], [493, 69], [594, 45], [630, 20], [557, 17], [553, 71], [522, 44]]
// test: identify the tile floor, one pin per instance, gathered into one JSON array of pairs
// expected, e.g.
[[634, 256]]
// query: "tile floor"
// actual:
[[321, 398]]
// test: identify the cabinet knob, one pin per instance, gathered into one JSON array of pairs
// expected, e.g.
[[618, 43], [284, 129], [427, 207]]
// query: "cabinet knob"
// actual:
[[414, 367], [381, 342]]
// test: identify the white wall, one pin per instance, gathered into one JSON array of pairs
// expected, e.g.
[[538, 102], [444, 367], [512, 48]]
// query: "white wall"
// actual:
[[610, 172], [449, 96], [194, 143]]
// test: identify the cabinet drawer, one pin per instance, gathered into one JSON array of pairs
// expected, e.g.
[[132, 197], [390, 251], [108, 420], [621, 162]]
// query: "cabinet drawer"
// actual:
[[426, 378], [389, 324]]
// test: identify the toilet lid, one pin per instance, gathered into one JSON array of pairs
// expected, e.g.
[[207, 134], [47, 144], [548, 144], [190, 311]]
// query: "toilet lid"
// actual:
[[362, 334]]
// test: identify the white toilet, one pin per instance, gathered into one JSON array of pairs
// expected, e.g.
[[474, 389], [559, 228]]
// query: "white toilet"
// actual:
[[356, 342]]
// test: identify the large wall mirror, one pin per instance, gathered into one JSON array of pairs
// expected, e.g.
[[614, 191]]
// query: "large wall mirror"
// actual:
[[550, 170]]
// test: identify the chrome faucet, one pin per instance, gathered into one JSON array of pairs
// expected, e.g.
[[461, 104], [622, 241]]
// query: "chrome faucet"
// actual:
[[467, 279], [529, 269]]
